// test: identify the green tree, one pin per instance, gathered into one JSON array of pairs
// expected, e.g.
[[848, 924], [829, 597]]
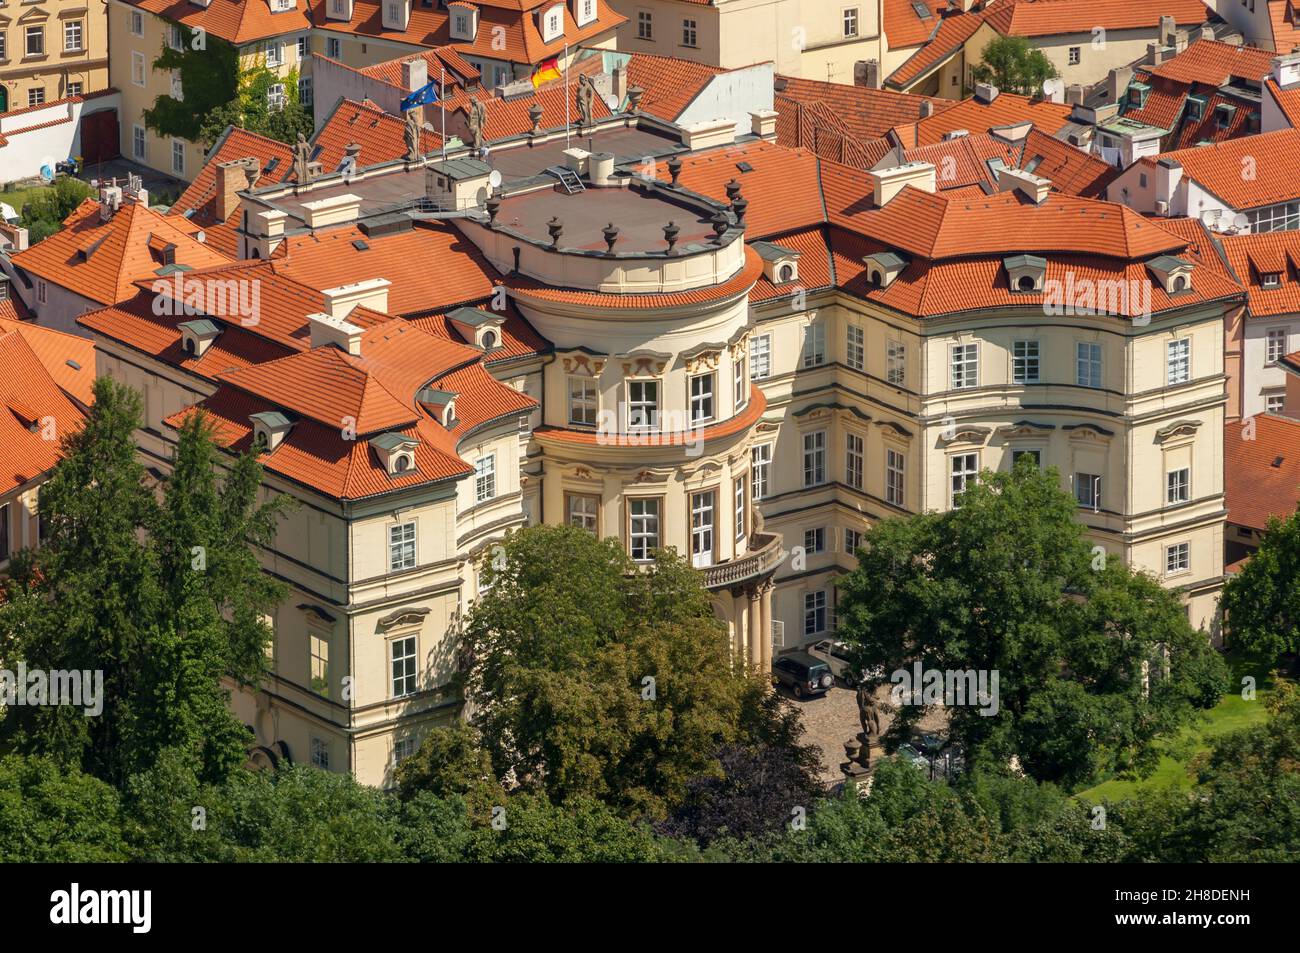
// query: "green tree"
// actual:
[[1094, 661], [49, 814], [452, 762], [209, 72], [1261, 603], [1013, 64], [592, 677]]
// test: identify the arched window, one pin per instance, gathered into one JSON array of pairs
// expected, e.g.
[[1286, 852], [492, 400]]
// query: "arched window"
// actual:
[[785, 273], [1026, 283], [877, 279], [1180, 283], [489, 340]]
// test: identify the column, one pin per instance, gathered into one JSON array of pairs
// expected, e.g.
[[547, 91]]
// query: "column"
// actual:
[[752, 615], [765, 624]]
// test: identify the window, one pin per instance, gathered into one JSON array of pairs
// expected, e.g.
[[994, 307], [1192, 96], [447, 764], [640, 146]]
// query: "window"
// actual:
[[1024, 362], [4, 48], [643, 404], [814, 612], [305, 96], [1087, 490], [857, 350], [644, 529], [738, 499], [275, 97], [485, 478], [72, 36], [178, 157], [403, 666], [1178, 361], [584, 512], [320, 664], [74, 89], [853, 457], [42, 293], [138, 142], [760, 357], [304, 46], [332, 45], [137, 68], [895, 469], [896, 358], [401, 547], [814, 458], [274, 53], [320, 753], [1076, 53], [36, 96], [703, 508], [1087, 364], [1178, 485], [739, 392], [645, 26], [1275, 403], [965, 467], [403, 748], [1275, 344], [582, 401], [852, 541], [175, 38], [965, 366], [814, 345], [1178, 558], [554, 24], [35, 40], [688, 33], [814, 540], [701, 398], [760, 459], [850, 22], [1275, 218], [137, 23]]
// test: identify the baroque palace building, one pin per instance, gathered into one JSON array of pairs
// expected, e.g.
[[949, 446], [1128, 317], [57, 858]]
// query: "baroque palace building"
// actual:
[[677, 336]]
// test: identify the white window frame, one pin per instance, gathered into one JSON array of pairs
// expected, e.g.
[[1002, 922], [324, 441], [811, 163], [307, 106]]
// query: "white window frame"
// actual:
[[1087, 490], [74, 36], [856, 347], [855, 457], [137, 23], [583, 511], [333, 47], [1275, 344], [963, 469], [139, 143], [1275, 403], [1026, 362], [895, 477], [36, 30], [1178, 486], [485, 478], [702, 387], [584, 401], [320, 753], [690, 33], [814, 458], [814, 541], [740, 510], [403, 667], [1178, 361], [644, 527], [739, 390], [760, 357], [642, 411], [403, 551], [814, 613], [1088, 364], [1178, 559], [137, 68], [704, 525], [849, 21], [178, 157], [964, 365], [896, 363], [760, 470], [814, 344], [645, 25]]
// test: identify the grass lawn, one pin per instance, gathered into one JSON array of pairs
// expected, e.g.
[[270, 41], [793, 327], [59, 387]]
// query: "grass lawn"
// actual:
[[1232, 712], [20, 197]]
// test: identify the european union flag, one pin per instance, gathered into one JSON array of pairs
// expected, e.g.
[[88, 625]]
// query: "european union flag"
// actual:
[[428, 93]]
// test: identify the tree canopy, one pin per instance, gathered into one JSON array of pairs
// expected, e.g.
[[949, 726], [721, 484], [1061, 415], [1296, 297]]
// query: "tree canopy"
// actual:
[[1014, 65]]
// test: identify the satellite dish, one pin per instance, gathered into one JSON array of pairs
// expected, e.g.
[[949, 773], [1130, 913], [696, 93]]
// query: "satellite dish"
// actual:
[[1209, 217], [494, 179], [1053, 87], [1240, 220], [611, 101]]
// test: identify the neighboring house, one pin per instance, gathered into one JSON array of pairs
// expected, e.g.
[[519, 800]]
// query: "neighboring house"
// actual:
[[103, 248], [988, 109], [1268, 267], [1281, 97], [1268, 24], [33, 139], [51, 50], [274, 33], [1239, 185], [385, 84], [1210, 92], [938, 66], [45, 391], [1261, 462]]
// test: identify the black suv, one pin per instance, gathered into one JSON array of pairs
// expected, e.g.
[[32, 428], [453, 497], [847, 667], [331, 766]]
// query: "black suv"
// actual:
[[802, 674]]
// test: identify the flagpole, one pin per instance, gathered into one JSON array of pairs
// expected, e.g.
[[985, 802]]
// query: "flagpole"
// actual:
[[567, 93], [442, 106]]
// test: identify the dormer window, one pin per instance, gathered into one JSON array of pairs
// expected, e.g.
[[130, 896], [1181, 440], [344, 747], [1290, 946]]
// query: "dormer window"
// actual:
[[1137, 95], [584, 11], [396, 451], [440, 404], [1271, 279], [1224, 113], [464, 20], [883, 267], [281, 6], [197, 336], [1174, 274], [481, 327], [552, 23], [1026, 273], [395, 14], [269, 430], [780, 264], [1195, 108]]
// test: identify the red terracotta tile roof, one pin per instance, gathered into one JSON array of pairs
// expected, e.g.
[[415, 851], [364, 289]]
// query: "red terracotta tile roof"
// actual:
[[101, 260], [455, 68], [504, 32], [1253, 256], [1288, 101], [965, 161], [381, 135], [949, 38], [903, 26], [1071, 170], [669, 83], [1261, 467], [236, 21], [1215, 64], [1218, 168], [199, 200], [1056, 17], [815, 271], [67, 358], [1008, 109], [864, 112], [1284, 22], [506, 118], [30, 400]]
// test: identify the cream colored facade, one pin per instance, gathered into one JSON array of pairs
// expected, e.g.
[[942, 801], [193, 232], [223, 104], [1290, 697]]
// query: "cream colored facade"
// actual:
[[800, 37], [137, 37], [52, 49]]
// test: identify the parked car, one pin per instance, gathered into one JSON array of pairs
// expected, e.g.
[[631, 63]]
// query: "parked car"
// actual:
[[802, 674], [838, 655]]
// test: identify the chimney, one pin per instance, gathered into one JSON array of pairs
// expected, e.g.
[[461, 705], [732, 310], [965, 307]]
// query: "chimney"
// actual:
[[326, 330], [267, 231], [1180, 41], [618, 83], [955, 134], [762, 123], [1169, 173], [1033, 187], [1168, 31], [1074, 94], [867, 73], [1156, 54], [1286, 70], [335, 210], [986, 92], [110, 200], [232, 177], [1117, 82], [1206, 33], [415, 74], [371, 293], [889, 182], [927, 109]]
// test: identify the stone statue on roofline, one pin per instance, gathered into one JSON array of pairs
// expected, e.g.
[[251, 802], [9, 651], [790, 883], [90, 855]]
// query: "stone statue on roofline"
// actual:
[[412, 134], [586, 96], [302, 160], [477, 122]]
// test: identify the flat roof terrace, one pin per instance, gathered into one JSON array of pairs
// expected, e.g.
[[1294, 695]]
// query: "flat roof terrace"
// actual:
[[639, 214], [522, 161]]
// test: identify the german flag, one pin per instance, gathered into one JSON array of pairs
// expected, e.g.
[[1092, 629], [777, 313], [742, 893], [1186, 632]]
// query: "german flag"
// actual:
[[546, 71]]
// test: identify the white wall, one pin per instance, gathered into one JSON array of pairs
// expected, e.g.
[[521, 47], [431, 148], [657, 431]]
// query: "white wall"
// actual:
[[732, 95], [23, 154]]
